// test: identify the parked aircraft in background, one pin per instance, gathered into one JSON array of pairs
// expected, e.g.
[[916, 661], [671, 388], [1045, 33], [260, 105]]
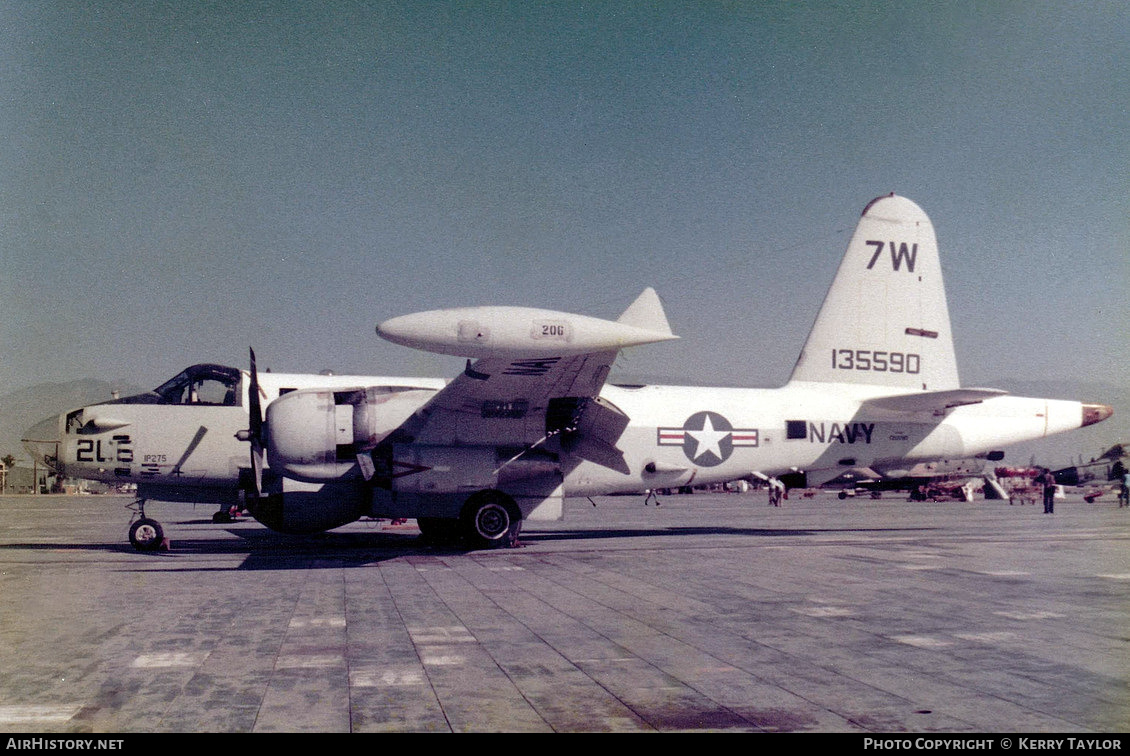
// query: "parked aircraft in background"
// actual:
[[1095, 479], [1107, 467], [939, 480], [530, 420]]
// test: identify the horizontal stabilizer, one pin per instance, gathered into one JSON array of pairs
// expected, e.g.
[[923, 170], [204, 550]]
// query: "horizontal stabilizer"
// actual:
[[928, 401], [1118, 451]]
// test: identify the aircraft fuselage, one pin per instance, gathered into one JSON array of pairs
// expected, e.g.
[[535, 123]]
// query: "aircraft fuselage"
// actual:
[[677, 436]]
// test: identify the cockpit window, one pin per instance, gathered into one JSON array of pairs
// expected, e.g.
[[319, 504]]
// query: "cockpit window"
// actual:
[[74, 421], [208, 385]]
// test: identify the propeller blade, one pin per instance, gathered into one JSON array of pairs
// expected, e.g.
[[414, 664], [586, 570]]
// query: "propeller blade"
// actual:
[[256, 409], [255, 427]]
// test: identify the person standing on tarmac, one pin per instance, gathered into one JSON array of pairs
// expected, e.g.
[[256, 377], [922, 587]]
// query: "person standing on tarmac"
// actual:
[[1048, 479]]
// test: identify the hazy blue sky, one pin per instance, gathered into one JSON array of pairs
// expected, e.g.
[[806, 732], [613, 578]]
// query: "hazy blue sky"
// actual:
[[182, 180]]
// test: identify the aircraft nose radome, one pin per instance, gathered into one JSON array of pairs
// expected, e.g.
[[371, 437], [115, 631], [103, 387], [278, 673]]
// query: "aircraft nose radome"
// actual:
[[42, 441], [1096, 413]]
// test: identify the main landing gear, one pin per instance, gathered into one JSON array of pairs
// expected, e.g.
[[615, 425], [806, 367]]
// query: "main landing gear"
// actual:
[[145, 534], [489, 519]]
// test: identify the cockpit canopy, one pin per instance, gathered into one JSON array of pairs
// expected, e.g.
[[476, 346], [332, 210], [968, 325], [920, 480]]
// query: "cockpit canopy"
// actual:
[[201, 385]]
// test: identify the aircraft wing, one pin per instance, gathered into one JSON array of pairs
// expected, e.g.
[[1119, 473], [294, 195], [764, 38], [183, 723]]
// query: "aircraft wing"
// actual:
[[536, 381]]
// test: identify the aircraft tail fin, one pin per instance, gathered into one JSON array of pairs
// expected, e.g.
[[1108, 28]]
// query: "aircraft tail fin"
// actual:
[[885, 321], [646, 313]]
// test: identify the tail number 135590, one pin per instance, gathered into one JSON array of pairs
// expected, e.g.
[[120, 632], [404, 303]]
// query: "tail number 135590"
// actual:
[[876, 361]]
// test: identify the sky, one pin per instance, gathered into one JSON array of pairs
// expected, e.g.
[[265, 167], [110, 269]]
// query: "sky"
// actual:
[[182, 181]]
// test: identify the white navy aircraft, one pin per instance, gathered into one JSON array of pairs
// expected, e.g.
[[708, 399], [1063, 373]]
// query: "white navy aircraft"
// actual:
[[531, 420]]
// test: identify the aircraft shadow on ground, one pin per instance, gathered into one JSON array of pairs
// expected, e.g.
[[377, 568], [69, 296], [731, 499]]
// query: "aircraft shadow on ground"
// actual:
[[264, 549]]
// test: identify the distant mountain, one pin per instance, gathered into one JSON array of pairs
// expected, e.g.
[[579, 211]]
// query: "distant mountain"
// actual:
[[21, 409]]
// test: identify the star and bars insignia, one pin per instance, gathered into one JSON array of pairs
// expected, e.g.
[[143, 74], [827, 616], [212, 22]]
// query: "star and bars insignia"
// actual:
[[708, 439]]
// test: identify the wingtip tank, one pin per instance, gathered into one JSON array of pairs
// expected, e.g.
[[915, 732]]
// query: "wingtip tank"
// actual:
[[505, 331]]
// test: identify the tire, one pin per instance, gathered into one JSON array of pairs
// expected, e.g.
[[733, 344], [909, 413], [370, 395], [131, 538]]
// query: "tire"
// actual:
[[146, 535], [491, 519]]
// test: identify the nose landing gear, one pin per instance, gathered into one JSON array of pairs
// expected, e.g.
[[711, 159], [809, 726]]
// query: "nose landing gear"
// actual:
[[145, 533]]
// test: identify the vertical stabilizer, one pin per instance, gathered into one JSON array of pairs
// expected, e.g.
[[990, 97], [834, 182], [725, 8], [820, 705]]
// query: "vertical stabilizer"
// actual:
[[885, 321]]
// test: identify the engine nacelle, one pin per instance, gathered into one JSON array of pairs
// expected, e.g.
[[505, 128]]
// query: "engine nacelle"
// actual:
[[312, 507], [315, 434]]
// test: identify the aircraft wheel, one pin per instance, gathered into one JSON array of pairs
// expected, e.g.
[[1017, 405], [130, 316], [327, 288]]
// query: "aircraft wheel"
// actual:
[[221, 518], [146, 535], [843, 494], [491, 518]]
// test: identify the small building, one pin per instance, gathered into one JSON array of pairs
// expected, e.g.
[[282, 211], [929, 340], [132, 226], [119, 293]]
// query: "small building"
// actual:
[[21, 480]]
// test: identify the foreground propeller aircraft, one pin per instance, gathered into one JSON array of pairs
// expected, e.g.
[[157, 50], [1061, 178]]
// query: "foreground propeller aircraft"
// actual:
[[531, 420]]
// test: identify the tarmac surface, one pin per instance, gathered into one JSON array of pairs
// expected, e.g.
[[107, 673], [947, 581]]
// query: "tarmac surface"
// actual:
[[712, 612]]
